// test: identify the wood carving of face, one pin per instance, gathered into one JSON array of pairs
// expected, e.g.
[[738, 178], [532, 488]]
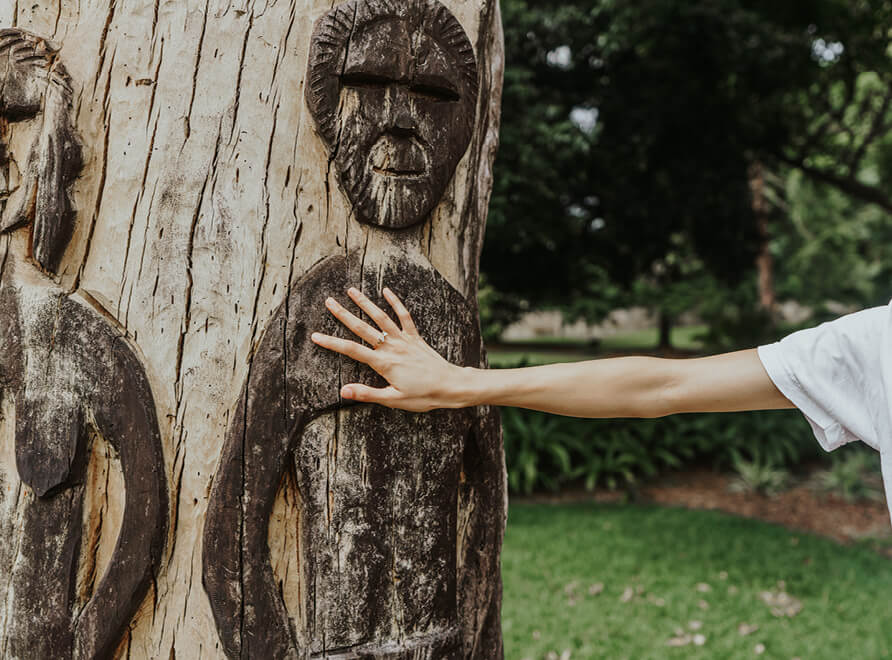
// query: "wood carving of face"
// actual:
[[40, 155], [393, 89], [16, 204]]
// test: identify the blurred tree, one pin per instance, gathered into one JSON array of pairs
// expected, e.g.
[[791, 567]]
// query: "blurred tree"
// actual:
[[628, 126]]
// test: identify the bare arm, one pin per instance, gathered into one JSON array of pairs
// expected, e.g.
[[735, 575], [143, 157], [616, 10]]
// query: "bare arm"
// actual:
[[421, 380], [631, 386]]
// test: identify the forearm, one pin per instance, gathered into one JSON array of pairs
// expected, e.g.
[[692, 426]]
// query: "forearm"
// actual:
[[617, 387], [628, 386]]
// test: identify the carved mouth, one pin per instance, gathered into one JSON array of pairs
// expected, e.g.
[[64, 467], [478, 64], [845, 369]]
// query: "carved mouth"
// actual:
[[397, 173], [398, 157]]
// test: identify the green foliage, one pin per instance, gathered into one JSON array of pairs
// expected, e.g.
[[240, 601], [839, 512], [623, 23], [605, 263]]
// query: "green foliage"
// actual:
[[549, 452], [854, 474], [540, 448], [734, 318], [629, 130], [757, 476], [832, 248]]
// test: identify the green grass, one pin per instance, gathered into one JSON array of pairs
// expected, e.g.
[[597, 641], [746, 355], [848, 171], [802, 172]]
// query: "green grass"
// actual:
[[554, 553], [533, 358], [683, 338], [573, 350]]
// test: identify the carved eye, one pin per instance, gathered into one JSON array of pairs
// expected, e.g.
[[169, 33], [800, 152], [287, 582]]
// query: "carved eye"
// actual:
[[360, 79], [435, 92]]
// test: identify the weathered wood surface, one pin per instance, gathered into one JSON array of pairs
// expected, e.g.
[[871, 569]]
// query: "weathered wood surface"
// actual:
[[206, 198], [386, 570], [72, 382]]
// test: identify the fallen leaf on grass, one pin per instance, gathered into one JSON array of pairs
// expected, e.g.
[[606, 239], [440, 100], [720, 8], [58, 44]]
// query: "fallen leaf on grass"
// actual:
[[570, 587], [552, 655], [659, 602], [681, 640], [596, 589], [703, 605], [695, 625], [703, 588], [699, 640], [746, 629], [781, 603], [628, 594], [760, 649]]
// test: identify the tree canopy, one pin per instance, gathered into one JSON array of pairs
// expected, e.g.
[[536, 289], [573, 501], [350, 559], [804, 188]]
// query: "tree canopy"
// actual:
[[630, 130]]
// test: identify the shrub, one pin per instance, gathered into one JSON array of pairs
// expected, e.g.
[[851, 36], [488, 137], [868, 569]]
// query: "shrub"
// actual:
[[547, 451], [758, 476], [854, 474]]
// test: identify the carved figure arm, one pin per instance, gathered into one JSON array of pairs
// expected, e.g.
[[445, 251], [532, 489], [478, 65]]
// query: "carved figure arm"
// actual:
[[128, 420], [251, 618]]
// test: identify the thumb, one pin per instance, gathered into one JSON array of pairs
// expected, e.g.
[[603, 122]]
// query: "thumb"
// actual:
[[365, 394]]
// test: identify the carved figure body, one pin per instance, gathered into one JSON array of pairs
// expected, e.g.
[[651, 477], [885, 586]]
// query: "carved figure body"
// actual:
[[393, 519], [68, 371], [401, 515]]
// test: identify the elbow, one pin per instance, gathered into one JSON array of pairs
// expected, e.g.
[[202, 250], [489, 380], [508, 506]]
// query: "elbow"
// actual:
[[664, 394]]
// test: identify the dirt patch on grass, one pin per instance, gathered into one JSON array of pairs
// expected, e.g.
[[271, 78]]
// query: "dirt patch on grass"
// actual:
[[802, 507]]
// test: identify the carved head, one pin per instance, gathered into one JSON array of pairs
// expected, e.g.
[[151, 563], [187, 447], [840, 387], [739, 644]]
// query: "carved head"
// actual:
[[36, 171], [392, 85]]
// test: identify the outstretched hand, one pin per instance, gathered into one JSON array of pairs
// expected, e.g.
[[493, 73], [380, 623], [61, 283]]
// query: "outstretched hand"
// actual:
[[420, 378]]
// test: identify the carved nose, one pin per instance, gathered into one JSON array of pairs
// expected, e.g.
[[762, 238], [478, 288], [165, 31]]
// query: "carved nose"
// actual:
[[402, 120], [404, 123]]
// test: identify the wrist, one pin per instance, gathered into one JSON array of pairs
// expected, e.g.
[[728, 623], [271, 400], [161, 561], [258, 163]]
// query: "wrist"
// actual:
[[465, 390]]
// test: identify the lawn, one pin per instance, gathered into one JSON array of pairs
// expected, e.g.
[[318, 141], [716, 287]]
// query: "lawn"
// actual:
[[676, 574], [567, 350]]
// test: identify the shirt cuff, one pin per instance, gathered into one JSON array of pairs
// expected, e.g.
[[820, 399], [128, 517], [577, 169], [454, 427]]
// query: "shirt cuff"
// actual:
[[829, 433]]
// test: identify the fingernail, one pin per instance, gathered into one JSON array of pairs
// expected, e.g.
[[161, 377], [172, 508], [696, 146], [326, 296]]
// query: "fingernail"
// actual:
[[347, 392], [315, 336], [387, 291], [353, 290]]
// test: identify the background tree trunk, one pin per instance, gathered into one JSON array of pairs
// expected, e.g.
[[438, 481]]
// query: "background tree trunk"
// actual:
[[764, 259], [206, 195]]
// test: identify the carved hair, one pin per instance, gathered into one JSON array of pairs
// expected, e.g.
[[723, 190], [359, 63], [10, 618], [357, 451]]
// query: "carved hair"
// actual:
[[333, 33], [34, 82]]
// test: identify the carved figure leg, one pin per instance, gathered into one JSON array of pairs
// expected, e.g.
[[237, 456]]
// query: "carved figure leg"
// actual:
[[44, 576]]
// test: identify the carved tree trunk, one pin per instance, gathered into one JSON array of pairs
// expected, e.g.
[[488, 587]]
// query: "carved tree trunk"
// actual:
[[181, 186]]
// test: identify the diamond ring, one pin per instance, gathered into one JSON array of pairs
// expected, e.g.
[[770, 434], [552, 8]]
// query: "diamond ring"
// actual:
[[381, 339]]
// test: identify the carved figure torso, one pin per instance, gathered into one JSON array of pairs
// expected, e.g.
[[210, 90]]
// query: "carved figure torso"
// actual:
[[66, 368], [379, 524]]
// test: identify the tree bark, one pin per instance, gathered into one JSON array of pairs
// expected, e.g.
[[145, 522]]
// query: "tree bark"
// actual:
[[167, 428], [764, 258]]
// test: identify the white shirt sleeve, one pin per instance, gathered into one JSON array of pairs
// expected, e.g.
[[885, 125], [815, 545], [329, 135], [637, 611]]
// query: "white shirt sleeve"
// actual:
[[834, 374]]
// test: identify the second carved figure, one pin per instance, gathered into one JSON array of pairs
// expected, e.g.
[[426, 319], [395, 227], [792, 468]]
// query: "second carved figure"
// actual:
[[401, 515]]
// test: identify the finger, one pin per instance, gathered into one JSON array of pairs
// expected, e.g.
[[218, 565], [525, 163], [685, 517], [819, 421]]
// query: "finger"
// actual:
[[375, 313], [385, 396], [356, 325], [401, 312], [346, 347]]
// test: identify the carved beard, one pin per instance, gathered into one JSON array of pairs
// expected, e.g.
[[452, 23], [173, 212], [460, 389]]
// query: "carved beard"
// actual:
[[394, 178]]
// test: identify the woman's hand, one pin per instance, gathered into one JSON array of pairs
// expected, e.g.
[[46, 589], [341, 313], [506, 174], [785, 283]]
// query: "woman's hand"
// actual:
[[420, 379]]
